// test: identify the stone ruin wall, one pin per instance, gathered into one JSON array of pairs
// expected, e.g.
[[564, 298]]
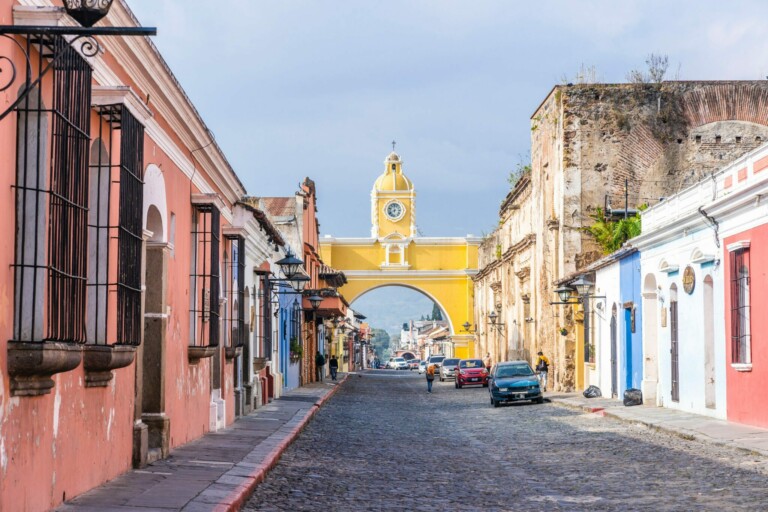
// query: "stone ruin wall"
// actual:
[[586, 140]]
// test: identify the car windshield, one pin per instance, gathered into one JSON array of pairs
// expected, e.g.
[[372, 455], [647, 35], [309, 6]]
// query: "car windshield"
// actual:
[[399, 359], [471, 363], [436, 359], [450, 362], [516, 370]]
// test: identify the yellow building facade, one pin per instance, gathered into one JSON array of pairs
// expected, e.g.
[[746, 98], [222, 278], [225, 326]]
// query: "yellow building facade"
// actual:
[[394, 255]]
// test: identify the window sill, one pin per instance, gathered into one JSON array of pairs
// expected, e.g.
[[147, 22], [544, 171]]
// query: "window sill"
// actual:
[[31, 365], [195, 354], [742, 367], [233, 352], [100, 360]]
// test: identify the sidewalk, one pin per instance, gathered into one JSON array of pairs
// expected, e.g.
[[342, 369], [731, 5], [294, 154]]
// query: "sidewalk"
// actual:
[[684, 424], [217, 472]]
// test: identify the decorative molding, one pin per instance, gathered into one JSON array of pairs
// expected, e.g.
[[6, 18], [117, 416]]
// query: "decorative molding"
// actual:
[[668, 268], [736, 246], [122, 95], [437, 274]]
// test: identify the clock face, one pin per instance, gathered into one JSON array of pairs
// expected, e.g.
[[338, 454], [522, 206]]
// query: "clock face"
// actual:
[[395, 210]]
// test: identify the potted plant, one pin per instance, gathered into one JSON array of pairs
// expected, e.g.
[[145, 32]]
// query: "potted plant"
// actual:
[[296, 350], [563, 331]]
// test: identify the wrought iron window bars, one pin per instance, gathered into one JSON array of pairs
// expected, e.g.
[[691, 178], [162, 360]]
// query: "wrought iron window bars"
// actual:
[[127, 187], [236, 292], [205, 276]]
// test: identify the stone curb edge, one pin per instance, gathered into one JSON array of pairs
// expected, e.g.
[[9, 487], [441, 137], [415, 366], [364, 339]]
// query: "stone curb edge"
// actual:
[[683, 433], [237, 499]]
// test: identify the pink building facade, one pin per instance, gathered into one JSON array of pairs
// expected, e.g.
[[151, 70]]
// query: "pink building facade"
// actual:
[[126, 327]]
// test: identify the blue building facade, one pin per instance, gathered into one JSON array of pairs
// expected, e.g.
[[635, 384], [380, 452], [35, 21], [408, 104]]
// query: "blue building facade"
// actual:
[[631, 322]]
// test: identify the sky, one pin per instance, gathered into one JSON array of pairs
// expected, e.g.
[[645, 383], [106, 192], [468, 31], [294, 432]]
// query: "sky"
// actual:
[[320, 88]]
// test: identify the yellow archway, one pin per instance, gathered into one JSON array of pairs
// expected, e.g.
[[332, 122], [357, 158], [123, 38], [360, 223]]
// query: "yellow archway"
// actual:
[[440, 268]]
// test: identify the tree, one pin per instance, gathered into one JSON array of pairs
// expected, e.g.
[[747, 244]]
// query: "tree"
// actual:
[[437, 314]]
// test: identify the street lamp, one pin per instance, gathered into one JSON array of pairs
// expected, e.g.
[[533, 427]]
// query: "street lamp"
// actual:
[[87, 12], [468, 327], [583, 287], [299, 281], [495, 324], [314, 300], [290, 265]]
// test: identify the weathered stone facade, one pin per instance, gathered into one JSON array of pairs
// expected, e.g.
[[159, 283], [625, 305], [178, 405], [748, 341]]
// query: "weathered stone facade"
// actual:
[[587, 141]]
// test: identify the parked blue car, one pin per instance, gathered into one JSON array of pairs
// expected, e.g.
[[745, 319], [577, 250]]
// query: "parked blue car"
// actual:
[[511, 381]]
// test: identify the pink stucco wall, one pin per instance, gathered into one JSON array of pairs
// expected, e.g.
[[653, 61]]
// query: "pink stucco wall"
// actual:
[[745, 403], [57, 446]]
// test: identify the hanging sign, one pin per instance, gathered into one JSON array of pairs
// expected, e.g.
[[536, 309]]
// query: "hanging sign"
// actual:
[[689, 280]]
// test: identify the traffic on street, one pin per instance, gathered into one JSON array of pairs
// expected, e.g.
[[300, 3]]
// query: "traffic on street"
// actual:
[[383, 443]]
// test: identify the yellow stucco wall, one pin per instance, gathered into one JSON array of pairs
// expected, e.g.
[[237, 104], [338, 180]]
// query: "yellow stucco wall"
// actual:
[[441, 268], [442, 272]]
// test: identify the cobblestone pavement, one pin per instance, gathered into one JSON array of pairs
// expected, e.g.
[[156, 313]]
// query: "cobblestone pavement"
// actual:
[[383, 443]]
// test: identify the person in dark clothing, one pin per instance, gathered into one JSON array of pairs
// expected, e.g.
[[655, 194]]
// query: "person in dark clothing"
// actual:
[[333, 365], [319, 363]]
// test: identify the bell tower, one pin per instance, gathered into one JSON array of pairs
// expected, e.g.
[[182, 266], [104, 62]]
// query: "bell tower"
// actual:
[[393, 203]]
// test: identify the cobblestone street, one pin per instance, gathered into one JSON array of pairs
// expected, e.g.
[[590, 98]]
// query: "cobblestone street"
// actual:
[[383, 443]]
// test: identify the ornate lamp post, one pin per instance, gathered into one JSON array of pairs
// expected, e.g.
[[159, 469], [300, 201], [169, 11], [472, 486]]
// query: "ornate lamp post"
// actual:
[[86, 13]]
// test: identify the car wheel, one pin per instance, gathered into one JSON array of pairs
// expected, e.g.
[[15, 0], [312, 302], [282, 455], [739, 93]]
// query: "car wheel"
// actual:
[[441, 379], [491, 399], [485, 385], [495, 402], [540, 400], [459, 385]]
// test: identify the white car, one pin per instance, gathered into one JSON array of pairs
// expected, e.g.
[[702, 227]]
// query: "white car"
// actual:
[[397, 363]]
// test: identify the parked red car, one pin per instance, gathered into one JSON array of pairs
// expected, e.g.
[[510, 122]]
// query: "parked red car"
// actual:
[[471, 372]]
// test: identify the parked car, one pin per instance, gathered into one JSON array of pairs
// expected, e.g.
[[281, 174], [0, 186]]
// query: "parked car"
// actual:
[[448, 369], [413, 364], [437, 361], [471, 372], [511, 381], [422, 367]]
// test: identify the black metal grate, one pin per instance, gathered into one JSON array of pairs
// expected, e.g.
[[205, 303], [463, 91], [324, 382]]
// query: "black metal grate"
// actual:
[[130, 237], [50, 262], [740, 312], [674, 350], [236, 292], [205, 276]]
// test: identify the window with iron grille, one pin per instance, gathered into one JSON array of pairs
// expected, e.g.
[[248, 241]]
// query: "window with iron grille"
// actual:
[[51, 194], [114, 294], [236, 293], [740, 307], [205, 276]]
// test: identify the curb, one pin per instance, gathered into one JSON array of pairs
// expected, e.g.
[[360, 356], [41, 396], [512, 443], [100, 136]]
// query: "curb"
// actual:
[[235, 500]]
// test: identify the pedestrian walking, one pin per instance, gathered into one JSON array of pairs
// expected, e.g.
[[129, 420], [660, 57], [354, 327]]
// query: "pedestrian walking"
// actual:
[[430, 377], [319, 363], [487, 361], [542, 367], [333, 365]]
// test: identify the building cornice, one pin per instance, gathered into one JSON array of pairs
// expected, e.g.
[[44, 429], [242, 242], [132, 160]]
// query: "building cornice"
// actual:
[[410, 274]]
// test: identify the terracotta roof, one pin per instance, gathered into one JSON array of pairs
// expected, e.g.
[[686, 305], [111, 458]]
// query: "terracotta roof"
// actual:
[[272, 232], [278, 206], [333, 277]]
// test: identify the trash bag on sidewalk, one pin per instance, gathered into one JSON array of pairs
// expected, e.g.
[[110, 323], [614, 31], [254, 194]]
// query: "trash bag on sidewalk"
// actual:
[[633, 396], [592, 392]]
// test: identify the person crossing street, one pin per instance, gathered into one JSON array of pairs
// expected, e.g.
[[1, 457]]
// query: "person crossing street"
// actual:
[[542, 368]]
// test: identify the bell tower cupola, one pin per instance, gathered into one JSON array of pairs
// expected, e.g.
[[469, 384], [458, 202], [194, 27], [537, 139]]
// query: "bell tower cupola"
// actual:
[[393, 202]]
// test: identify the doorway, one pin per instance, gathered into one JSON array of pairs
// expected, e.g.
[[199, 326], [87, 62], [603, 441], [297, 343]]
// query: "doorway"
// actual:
[[614, 355], [675, 345], [628, 348], [710, 400]]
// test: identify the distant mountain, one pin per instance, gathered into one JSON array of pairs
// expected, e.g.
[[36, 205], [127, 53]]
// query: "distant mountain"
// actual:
[[389, 307]]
